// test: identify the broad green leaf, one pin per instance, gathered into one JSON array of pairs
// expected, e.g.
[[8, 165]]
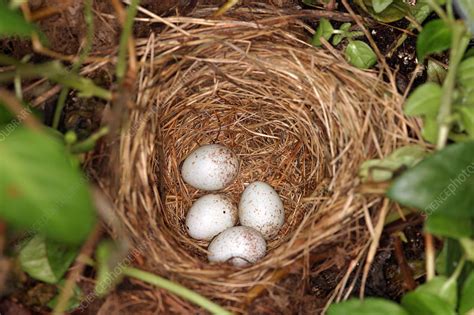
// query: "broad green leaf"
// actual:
[[436, 73], [465, 74], [380, 5], [324, 30], [5, 118], [110, 266], [447, 226], [394, 12], [467, 119], [12, 23], [430, 129], [46, 260], [73, 303], [360, 55], [466, 303], [419, 12], [442, 183], [426, 303], [443, 287], [40, 190], [434, 38], [368, 306], [425, 100]]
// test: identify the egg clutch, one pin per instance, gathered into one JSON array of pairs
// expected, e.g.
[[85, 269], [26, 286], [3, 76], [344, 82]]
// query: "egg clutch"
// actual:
[[213, 217]]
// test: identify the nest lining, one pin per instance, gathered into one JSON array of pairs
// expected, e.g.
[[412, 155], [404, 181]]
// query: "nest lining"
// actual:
[[298, 118]]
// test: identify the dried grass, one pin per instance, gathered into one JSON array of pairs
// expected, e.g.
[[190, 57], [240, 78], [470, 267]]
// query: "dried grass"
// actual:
[[299, 118]]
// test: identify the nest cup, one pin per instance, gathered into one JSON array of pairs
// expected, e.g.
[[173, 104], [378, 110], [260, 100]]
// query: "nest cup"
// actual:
[[299, 118]]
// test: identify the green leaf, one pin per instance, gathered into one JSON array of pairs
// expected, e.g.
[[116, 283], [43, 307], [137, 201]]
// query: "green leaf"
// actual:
[[436, 73], [468, 246], [368, 306], [467, 119], [360, 55], [46, 260], [394, 12], [443, 287], [339, 37], [442, 183], [443, 225], [465, 74], [426, 303], [382, 170], [40, 190], [324, 30], [110, 266], [12, 23], [380, 5], [466, 303], [434, 38], [425, 100], [430, 129]]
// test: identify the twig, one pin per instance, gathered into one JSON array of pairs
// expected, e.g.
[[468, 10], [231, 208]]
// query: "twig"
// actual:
[[124, 44], [68, 288], [374, 245], [430, 257], [407, 274]]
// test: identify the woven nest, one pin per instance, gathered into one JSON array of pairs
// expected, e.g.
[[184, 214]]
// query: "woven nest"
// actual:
[[299, 118]]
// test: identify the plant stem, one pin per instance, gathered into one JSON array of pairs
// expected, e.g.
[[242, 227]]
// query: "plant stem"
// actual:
[[126, 33], [176, 289], [460, 42], [438, 9], [89, 19]]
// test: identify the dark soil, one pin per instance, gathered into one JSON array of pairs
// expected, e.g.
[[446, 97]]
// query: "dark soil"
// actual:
[[65, 32]]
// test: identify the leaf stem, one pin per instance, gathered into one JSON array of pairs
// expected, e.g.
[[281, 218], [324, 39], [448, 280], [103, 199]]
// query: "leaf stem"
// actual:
[[176, 289], [460, 42], [438, 9], [123, 44]]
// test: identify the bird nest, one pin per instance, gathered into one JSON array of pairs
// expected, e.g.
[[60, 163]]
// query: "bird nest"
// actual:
[[299, 118]]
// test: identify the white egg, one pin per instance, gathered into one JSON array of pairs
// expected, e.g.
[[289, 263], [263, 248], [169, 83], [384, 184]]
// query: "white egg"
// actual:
[[239, 245], [210, 167], [210, 215], [261, 208]]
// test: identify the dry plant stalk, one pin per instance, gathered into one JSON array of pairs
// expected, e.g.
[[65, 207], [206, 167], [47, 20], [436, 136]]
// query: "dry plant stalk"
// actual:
[[299, 118]]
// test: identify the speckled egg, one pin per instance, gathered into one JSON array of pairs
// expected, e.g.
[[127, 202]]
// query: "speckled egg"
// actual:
[[210, 215], [261, 208], [239, 245], [210, 167]]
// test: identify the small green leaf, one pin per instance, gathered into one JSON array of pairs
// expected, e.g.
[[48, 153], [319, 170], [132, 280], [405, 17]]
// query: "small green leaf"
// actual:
[[324, 30], [465, 74], [12, 23], [443, 287], [382, 170], [394, 12], [425, 100], [430, 129], [380, 5], [442, 225], [426, 303], [434, 38], [46, 260], [339, 37], [436, 73], [468, 246], [466, 303], [442, 183], [368, 306], [40, 190], [360, 55], [467, 119]]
